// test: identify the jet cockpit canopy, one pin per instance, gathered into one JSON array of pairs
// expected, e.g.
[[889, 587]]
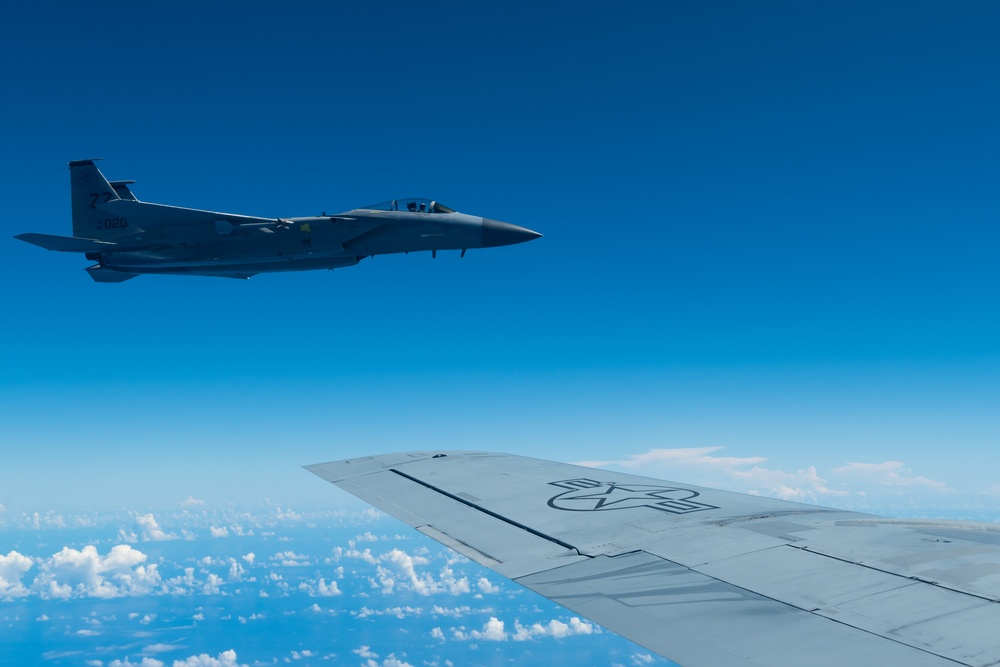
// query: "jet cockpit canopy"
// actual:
[[413, 205]]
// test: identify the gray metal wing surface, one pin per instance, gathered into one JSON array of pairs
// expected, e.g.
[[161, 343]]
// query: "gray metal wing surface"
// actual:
[[701, 576]]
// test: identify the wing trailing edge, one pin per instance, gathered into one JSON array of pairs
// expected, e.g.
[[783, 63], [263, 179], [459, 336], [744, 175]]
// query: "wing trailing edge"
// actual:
[[65, 243]]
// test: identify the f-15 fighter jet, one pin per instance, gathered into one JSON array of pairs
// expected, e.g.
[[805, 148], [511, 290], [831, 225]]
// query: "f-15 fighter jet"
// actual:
[[126, 237]]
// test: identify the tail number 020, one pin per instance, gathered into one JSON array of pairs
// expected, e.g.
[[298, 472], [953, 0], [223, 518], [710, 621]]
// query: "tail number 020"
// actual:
[[112, 223]]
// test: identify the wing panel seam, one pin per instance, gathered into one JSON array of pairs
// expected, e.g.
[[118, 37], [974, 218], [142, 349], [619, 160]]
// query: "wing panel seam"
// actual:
[[500, 517], [915, 579]]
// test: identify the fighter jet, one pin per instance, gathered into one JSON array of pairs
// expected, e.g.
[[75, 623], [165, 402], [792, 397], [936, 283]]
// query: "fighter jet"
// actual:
[[126, 237]]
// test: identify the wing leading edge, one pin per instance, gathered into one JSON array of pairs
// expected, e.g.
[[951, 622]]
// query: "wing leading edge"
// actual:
[[701, 576]]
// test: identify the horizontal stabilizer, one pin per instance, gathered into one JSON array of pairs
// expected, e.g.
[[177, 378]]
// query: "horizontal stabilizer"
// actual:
[[65, 243], [121, 189], [103, 275]]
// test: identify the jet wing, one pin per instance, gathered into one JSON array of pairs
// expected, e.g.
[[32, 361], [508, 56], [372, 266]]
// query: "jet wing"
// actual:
[[701, 576]]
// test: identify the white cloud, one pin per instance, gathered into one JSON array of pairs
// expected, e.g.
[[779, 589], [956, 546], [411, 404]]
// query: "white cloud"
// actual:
[[494, 630], [291, 559], [146, 662], [85, 573], [554, 628], [151, 531], [191, 501], [365, 555], [371, 658], [397, 612], [12, 568], [391, 661], [319, 588], [236, 571], [888, 473], [679, 456], [224, 659], [400, 564], [367, 536], [218, 531], [211, 586], [700, 465], [249, 558], [455, 612], [485, 586], [159, 648]]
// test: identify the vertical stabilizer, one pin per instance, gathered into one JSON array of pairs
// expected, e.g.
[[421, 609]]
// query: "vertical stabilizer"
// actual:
[[90, 190]]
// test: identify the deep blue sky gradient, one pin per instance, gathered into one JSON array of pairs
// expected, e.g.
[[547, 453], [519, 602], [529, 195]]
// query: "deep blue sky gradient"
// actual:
[[770, 227]]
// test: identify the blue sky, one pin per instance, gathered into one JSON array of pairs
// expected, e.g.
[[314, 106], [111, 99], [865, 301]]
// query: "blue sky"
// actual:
[[769, 228], [768, 264]]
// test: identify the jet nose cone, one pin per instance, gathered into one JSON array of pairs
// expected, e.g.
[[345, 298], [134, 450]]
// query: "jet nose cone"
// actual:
[[503, 233]]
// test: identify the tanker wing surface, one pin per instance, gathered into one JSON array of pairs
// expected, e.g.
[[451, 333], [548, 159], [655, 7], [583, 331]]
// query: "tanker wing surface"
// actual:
[[701, 576]]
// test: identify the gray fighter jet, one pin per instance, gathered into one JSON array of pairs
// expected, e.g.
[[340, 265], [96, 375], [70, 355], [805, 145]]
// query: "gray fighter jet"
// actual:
[[127, 237]]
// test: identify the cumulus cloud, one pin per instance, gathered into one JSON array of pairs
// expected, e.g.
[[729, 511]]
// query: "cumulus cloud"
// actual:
[[397, 612], [218, 531], [291, 559], [398, 568], [151, 531], [191, 501], [554, 628], [319, 588], [494, 630], [212, 584], [85, 573], [371, 658], [224, 659], [236, 571], [145, 662], [486, 587], [12, 568]]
